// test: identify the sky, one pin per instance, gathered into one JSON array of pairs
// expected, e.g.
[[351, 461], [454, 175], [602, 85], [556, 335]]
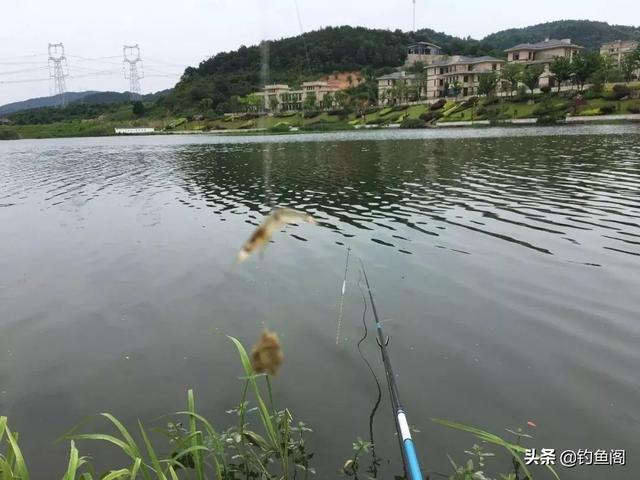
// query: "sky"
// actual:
[[173, 35]]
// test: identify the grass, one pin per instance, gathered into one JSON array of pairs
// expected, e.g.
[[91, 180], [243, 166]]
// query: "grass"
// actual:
[[193, 449]]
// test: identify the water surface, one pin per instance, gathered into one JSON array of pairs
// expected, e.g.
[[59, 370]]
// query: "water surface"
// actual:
[[505, 261]]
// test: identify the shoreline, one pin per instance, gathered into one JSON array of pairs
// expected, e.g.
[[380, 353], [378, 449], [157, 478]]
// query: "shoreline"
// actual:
[[484, 124]]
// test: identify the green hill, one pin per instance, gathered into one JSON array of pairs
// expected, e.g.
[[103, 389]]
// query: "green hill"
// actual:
[[587, 33]]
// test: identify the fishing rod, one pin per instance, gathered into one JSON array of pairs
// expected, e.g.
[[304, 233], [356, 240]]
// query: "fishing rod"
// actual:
[[409, 457]]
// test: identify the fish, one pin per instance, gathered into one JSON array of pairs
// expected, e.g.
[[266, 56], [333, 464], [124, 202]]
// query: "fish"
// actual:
[[275, 220]]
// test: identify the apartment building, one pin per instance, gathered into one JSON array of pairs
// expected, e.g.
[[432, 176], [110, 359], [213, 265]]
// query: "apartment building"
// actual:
[[461, 70], [618, 49], [280, 97], [543, 53]]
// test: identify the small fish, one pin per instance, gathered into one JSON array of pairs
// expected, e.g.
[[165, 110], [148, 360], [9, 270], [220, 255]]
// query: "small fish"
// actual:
[[266, 356], [276, 219]]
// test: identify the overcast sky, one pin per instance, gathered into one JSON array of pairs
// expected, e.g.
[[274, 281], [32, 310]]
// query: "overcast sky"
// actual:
[[175, 34]]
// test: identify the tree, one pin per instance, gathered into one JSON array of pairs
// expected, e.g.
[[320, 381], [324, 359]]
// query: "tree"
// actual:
[[561, 70], [309, 101], [138, 109], [510, 75], [456, 88], [342, 99], [487, 83], [327, 100], [420, 72], [583, 66], [531, 75], [273, 103], [630, 63]]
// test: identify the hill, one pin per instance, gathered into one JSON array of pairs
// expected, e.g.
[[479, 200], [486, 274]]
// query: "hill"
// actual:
[[213, 83], [88, 98], [587, 33], [41, 102]]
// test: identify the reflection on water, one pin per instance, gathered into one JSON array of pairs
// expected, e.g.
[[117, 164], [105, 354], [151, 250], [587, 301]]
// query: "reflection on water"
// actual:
[[507, 261]]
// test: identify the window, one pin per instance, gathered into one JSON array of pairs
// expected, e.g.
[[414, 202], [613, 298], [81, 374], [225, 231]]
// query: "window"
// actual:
[[516, 56], [465, 78], [530, 56], [441, 83], [494, 66]]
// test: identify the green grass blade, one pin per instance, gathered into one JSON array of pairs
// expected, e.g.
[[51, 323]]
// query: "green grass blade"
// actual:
[[125, 434], [152, 454], [135, 468], [72, 469], [105, 438], [123, 473], [197, 436], [3, 426], [20, 467], [265, 415], [172, 472], [5, 469]]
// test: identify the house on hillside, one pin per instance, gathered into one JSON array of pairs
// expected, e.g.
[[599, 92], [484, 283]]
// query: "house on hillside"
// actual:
[[437, 80], [424, 52], [280, 97], [618, 49], [459, 70], [543, 53]]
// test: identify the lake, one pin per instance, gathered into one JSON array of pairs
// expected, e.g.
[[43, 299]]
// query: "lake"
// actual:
[[505, 263]]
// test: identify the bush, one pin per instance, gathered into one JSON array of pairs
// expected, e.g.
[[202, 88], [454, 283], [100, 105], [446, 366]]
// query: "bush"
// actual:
[[311, 114], [247, 124], [469, 102], [438, 104], [386, 111], [592, 94], [429, 116], [631, 109], [413, 123], [545, 89], [619, 92], [326, 126], [547, 120], [522, 95], [607, 109], [377, 121], [490, 100], [398, 108], [371, 110], [9, 134], [280, 127]]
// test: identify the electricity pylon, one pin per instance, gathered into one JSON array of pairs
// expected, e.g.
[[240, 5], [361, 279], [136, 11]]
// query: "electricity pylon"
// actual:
[[132, 66], [58, 70]]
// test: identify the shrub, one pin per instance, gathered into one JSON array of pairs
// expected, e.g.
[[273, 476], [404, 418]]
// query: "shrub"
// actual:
[[413, 123], [247, 124], [522, 95], [545, 89], [619, 92], [311, 114], [9, 134], [385, 111], [547, 120], [607, 109], [592, 94], [398, 108], [370, 110], [438, 104], [469, 102], [280, 127], [377, 121], [429, 116], [634, 108], [490, 100]]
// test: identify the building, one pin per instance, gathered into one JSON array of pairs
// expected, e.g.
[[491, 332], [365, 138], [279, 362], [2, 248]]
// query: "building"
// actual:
[[618, 49], [134, 130], [461, 70], [395, 86], [280, 97], [437, 80], [543, 53], [424, 52]]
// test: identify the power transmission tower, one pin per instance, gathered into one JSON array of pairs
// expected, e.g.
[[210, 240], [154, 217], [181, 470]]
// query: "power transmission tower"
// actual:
[[132, 65], [58, 70]]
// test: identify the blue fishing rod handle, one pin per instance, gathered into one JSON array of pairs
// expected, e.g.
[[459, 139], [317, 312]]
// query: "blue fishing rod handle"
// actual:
[[413, 466]]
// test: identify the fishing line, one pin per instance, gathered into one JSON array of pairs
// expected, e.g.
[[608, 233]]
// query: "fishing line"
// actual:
[[373, 374], [344, 289]]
